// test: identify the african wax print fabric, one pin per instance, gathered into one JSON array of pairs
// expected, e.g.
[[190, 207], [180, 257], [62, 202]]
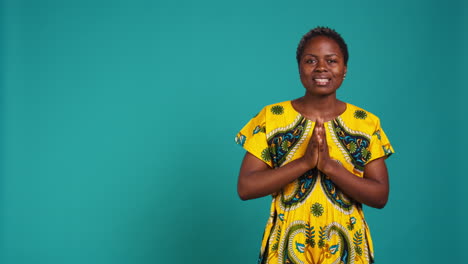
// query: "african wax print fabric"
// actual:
[[311, 219]]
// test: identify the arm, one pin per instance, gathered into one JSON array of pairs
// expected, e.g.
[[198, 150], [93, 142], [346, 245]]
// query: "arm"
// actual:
[[257, 179], [371, 190]]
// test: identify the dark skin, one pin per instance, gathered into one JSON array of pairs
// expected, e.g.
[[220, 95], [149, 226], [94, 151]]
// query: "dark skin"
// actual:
[[322, 71]]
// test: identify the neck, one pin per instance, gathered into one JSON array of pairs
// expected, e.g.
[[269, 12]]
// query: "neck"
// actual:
[[324, 107], [320, 103]]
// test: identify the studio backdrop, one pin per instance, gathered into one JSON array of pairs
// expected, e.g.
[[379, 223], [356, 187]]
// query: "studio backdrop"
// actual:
[[118, 119]]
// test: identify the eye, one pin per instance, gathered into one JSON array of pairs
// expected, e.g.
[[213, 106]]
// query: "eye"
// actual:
[[332, 61], [310, 61]]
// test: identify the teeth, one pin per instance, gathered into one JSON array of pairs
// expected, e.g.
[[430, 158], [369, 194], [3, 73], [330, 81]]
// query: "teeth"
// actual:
[[321, 80]]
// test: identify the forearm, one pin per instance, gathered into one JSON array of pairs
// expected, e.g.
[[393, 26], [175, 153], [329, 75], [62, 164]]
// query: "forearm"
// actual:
[[368, 191], [255, 184]]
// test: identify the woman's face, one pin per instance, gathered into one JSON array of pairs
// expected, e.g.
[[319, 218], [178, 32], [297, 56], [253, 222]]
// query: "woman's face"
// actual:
[[322, 67]]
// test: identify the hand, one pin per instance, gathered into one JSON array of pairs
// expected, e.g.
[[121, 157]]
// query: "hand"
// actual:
[[311, 154], [324, 159]]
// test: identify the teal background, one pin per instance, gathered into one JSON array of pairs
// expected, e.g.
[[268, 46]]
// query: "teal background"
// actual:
[[118, 119]]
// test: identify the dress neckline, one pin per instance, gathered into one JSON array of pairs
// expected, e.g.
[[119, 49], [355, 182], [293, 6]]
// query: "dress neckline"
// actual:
[[338, 116]]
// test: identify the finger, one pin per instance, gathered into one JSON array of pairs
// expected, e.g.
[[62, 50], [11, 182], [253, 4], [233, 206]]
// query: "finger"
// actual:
[[320, 123], [324, 134], [319, 120], [324, 139], [319, 126], [314, 143], [313, 138], [316, 133], [320, 140]]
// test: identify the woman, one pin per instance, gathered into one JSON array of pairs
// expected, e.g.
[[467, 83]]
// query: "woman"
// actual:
[[320, 159]]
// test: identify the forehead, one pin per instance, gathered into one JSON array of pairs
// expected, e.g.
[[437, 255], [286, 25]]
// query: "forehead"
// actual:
[[322, 45]]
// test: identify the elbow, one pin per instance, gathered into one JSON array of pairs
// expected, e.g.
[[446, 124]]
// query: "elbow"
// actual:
[[243, 193], [380, 203], [243, 196], [379, 198]]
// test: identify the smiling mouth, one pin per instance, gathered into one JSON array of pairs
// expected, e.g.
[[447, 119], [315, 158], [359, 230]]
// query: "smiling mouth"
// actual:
[[322, 81]]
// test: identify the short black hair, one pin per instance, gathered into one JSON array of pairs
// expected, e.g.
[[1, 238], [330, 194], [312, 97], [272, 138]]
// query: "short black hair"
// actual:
[[322, 31]]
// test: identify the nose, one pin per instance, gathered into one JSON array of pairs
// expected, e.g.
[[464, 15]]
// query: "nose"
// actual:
[[321, 66]]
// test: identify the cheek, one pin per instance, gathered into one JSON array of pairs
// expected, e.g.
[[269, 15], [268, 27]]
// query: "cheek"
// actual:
[[305, 70], [339, 73], [303, 74]]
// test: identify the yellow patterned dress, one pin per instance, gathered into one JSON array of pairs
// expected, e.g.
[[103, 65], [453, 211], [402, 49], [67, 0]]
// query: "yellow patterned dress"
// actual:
[[311, 220]]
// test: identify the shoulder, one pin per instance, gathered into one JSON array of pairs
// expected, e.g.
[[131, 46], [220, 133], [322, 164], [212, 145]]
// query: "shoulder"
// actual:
[[360, 118], [278, 115], [278, 108]]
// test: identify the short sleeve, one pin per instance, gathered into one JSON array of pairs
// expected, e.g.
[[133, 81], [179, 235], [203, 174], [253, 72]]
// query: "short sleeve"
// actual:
[[252, 137], [380, 145]]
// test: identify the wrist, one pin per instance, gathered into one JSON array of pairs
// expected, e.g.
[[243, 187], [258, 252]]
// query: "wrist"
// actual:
[[305, 164], [329, 167]]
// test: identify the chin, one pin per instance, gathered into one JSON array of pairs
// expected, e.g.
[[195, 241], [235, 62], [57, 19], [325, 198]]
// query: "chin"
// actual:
[[321, 91]]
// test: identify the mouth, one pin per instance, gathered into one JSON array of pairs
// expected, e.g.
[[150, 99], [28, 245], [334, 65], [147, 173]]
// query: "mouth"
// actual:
[[321, 81]]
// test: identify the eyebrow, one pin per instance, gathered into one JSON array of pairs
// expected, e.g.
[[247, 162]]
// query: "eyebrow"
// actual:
[[328, 55]]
